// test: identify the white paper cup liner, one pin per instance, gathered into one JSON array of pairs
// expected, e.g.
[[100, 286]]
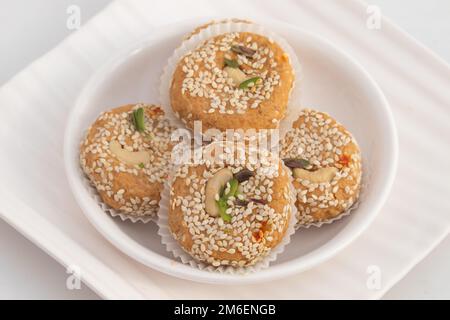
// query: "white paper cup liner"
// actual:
[[220, 28], [106, 208], [365, 178], [178, 252]]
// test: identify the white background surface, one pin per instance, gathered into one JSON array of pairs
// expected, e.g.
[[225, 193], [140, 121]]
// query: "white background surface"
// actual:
[[28, 29]]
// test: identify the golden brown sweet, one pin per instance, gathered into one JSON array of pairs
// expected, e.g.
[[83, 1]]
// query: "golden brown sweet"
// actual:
[[125, 155], [229, 214], [236, 80], [326, 164]]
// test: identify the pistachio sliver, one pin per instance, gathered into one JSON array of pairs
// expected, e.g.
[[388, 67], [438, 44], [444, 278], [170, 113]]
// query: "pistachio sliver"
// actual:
[[139, 119], [244, 203], [249, 83], [245, 51], [244, 175], [222, 205], [222, 202], [296, 163], [241, 203], [259, 201], [234, 185], [231, 63], [214, 187]]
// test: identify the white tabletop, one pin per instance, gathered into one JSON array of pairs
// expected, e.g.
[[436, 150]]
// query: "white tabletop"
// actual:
[[31, 28]]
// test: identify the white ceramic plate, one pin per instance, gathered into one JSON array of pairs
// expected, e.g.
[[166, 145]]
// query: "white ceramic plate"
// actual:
[[332, 82]]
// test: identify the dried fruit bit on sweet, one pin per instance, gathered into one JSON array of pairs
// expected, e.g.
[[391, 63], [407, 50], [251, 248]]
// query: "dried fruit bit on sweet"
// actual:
[[231, 63], [245, 51], [244, 175], [297, 163], [250, 83], [344, 159], [139, 119]]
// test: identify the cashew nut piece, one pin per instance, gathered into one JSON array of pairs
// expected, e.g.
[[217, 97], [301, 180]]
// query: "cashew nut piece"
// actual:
[[319, 176], [213, 187], [129, 157], [236, 75]]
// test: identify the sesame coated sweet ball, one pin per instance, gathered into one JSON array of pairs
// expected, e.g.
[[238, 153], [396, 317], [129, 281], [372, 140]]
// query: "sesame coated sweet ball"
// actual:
[[125, 155], [230, 214], [237, 80], [326, 165]]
